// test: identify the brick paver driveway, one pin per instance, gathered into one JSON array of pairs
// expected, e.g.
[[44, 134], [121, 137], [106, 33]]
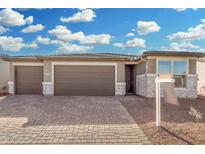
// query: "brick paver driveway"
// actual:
[[67, 120]]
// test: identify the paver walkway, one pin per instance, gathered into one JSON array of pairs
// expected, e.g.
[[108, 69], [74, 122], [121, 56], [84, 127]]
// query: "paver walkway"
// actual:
[[67, 120]]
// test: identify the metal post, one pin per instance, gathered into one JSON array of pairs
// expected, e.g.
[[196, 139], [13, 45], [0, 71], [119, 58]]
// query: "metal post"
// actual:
[[158, 105]]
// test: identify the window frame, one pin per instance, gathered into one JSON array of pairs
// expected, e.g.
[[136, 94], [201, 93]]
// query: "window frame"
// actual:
[[180, 61], [172, 66], [171, 69]]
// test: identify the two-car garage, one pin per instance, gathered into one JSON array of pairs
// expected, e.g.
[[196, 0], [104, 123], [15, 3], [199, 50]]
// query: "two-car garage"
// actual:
[[69, 80]]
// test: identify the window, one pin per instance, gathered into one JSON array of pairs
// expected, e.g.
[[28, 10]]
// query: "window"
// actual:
[[177, 68], [180, 68], [164, 67], [180, 81]]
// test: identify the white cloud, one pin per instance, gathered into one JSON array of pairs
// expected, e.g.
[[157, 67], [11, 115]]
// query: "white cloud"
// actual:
[[193, 33], [97, 39], [86, 15], [184, 46], [203, 20], [62, 46], [3, 29], [180, 9], [9, 43], [9, 17], [64, 34], [181, 46], [130, 34], [145, 27], [73, 48], [119, 45], [43, 40], [33, 28], [183, 9], [29, 20], [47, 41], [32, 45], [200, 50], [60, 32], [136, 42]]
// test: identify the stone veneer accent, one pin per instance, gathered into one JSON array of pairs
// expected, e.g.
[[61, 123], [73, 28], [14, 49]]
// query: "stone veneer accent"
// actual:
[[120, 88], [48, 88], [145, 86], [11, 87], [141, 85]]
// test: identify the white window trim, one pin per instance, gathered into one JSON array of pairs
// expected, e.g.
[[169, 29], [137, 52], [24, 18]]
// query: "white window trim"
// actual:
[[84, 64]]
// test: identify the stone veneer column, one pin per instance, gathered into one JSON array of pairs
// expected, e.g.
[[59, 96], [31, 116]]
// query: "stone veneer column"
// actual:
[[120, 85], [48, 86], [11, 87], [141, 85], [48, 89], [11, 84], [120, 88]]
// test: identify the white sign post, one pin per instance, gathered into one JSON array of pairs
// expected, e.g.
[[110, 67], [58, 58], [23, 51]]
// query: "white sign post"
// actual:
[[158, 98]]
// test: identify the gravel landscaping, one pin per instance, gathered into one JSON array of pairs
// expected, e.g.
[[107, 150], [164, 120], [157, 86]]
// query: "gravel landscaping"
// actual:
[[183, 124]]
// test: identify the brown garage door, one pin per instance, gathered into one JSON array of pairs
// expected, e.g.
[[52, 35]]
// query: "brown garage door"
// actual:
[[84, 80], [28, 79]]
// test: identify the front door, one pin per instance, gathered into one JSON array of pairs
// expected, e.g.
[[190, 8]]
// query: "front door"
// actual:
[[129, 78]]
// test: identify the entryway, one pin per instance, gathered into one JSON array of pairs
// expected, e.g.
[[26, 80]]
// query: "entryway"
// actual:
[[129, 78]]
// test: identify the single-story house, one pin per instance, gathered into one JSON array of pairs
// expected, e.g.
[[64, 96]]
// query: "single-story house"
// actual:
[[102, 74]]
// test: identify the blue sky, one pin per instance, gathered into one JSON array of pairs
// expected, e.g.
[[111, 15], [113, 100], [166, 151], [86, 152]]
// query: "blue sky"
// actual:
[[65, 31]]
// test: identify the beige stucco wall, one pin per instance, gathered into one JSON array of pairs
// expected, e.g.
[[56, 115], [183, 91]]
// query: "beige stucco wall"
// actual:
[[141, 68], [11, 72], [151, 66], [192, 66], [201, 76], [4, 74], [120, 72]]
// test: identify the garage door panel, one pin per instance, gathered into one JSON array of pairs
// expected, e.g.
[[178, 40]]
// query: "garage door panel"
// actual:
[[85, 75], [30, 85], [83, 69], [85, 86], [28, 79], [33, 69], [77, 92], [84, 80]]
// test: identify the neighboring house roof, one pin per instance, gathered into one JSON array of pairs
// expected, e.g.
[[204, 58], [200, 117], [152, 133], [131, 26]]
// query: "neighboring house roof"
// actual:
[[103, 56], [173, 53]]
